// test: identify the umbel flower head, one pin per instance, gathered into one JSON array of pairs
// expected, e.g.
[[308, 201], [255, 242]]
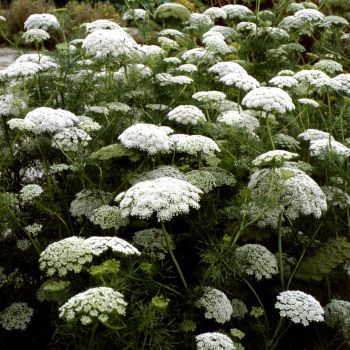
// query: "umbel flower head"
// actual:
[[274, 157], [269, 99], [147, 137], [214, 340], [164, 196], [337, 312], [299, 307], [216, 305], [35, 35], [43, 21], [16, 316], [98, 303], [256, 260], [284, 190], [186, 114]]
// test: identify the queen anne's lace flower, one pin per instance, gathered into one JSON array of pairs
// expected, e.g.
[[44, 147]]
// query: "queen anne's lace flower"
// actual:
[[336, 313], [215, 13], [329, 66], [246, 27], [308, 76], [167, 44], [16, 316], [292, 191], [200, 55], [322, 148], [87, 124], [299, 307], [239, 309], [344, 81], [214, 340], [94, 304], [274, 157], [187, 68], [135, 15], [116, 43], [45, 62], [161, 171], [225, 68], [29, 192], [240, 119], [283, 81], [186, 114], [172, 33], [237, 12], [308, 102], [192, 144], [336, 197], [71, 139], [100, 24], [286, 141], [216, 305], [331, 22], [216, 43], [11, 105], [43, 21], [151, 51], [168, 10], [108, 217], [269, 99], [153, 242], [256, 260], [166, 79], [199, 22], [164, 196], [20, 69], [315, 134], [241, 81], [35, 35], [147, 137]]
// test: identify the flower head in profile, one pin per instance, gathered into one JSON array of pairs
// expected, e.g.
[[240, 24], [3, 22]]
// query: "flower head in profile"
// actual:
[[323, 148], [216, 304], [186, 114], [100, 24], [172, 10], [94, 304], [214, 340], [35, 35], [299, 307], [274, 157], [165, 196], [227, 67], [241, 81], [43, 21], [237, 12], [147, 137]]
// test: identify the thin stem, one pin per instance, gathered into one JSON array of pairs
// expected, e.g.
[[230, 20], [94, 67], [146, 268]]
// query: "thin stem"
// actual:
[[280, 252], [167, 240], [269, 131]]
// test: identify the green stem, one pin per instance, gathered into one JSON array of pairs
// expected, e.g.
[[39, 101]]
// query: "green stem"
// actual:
[[280, 252], [269, 131], [167, 240]]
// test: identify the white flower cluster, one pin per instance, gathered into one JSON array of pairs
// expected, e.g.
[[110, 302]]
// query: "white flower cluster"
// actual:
[[94, 304], [256, 260], [35, 35], [337, 312], [99, 24], [215, 13], [135, 15], [116, 43], [167, 43], [172, 33], [174, 10], [34, 229], [239, 309], [308, 76], [292, 191], [108, 217], [70, 139], [161, 171], [72, 253], [308, 102], [43, 21], [227, 67], [286, 141], [88, 124], [29, 192], [336, 197], [329, 66], [164, 196], [166, 79], [269, 99], [214, 340], [241, 81], [86, 201], [16, 316], [215, 42], [152, 241], [20, 69], [237, 12], [281, 82], [216, 305], [315, 134], [151, 51], [331, 22], [186, 114], [199, 22], [246, 27], [147, 137], [299, 307], [209, 97], [194, 144], [344, 82], [187, 68], [11, 105], [275, 157], [240, 119], [322, 148]]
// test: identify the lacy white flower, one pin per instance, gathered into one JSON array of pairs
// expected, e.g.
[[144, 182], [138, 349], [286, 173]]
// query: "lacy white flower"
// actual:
[[256, 260], [16, 316], [227, 105], [157, 107], [201, 179], [308, 102], [246, 27], [167, 43], [88, 124], [173, 10], [309, 76], [286, 72], [192, 144], [108, 217], [101, 244], [215, 13], [23, 244], [187, 68], [322, 148], [70, 139], [35, 35], [225, 68], [214, 340], [239, 309], [161, 171], [216, 305], [45, 62], [275, 157], [237, 12], [336, 197], [283, 81], [165, 79], [98, 303], [135, 15], [315, 134], [164, 196], [116, 43], [209, 96], [152, 241], [20, 69], [241, 81], [199, 22], [43, 21], [200, 55], [100, 24], [34, 229], [172, 60], [299, 307], [325, 85], [284, 190], [186, 114], [172, 33], [11, 105], [269, 99], [227, 32], [331, 22], [147, 137], [329, 66], [151, 51], [275, 33], [286, 141], [86, 201], [240, 119], [344, 81], [337, 312], [29, 192], [45, 119], [216, 44]]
